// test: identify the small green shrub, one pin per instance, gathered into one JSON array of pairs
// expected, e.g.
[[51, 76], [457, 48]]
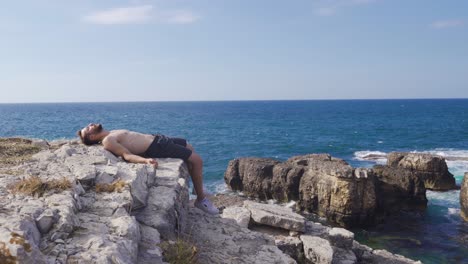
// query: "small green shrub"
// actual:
[[179, 252]]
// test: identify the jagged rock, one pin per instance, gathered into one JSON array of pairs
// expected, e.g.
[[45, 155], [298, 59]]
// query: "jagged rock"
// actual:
[[365, 254], [149, 252], [322, 184], [44, 156], [80, 225], [140, 178], [65, 151], [253, 176], [432, 169], [341, 238], [104, 178], [276, 216], [317, 250], [399, 188], [240, 214], [464, 198], [316, 229], [220, 240], [343, 256], [45, 221], [165, 211], [285, 182], [291, 246], [330, 189], [19, 241], [40, 143]]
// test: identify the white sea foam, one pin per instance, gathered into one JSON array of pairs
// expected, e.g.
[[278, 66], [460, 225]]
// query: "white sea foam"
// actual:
[[453, 211], [457, 160], [378, 157], [447, 199]]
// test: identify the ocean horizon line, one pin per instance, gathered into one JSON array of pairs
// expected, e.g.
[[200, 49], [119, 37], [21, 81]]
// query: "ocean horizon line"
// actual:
[[246, 100]]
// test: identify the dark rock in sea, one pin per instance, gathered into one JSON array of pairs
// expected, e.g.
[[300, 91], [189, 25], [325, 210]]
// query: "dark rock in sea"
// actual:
[[432, 169], [399, 189], [331, 188], [464, 197], [264, 178]]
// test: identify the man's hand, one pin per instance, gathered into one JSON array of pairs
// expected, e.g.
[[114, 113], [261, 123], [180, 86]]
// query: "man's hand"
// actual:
[[152, 162]]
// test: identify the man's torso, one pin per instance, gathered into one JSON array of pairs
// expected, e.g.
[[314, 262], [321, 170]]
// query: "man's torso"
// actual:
[[136, 143]]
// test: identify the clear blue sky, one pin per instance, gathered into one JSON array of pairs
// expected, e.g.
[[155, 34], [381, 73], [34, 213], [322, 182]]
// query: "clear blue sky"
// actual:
[[172, 50]]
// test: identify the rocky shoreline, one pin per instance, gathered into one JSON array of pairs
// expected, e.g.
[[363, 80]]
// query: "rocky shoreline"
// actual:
[[116, 212], [346, 196]]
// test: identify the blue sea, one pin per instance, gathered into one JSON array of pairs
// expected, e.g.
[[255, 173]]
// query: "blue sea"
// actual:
[[348, 129]]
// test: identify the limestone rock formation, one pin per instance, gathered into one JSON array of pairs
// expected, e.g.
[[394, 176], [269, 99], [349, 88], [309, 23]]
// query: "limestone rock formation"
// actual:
[[333, 189], [316, 243], [222, 240], [319, 182], [110, 211], [430, 168], [81, 224], [402, 189], [464, 197]]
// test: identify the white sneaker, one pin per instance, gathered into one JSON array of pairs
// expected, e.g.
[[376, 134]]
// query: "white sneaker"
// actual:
[[206, 206]]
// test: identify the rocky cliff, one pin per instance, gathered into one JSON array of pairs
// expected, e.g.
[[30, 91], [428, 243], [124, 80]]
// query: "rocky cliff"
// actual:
[[330, 187], [431, 169], [464, 197], [68, 203], [106, 211], [302, 240]]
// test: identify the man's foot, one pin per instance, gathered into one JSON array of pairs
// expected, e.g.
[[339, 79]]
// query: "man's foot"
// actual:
[[206, 206]]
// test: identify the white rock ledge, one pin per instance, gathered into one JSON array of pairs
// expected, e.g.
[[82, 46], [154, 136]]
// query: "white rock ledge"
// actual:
[[82, 226]]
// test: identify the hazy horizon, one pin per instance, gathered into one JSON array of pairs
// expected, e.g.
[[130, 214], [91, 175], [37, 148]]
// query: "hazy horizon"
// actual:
[[245, 100]]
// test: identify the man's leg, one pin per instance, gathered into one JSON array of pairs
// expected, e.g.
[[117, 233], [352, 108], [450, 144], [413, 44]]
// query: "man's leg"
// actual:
[[179, 148], [196, 172]]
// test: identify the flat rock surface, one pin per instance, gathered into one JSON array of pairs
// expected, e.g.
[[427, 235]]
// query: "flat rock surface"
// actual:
[[221, 240]]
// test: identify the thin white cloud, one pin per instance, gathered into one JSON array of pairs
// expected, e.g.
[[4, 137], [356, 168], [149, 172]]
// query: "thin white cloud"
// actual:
[[181, 17], [140, 15], [122, 15], [441, 24], [331, 7]]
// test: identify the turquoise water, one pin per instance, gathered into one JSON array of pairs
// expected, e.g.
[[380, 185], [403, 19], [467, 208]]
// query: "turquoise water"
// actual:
[[349, 129]]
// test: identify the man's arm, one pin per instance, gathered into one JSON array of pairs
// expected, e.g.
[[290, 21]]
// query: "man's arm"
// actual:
[[115, 147]]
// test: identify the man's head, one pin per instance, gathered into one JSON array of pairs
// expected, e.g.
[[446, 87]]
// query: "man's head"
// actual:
[[90, 135]]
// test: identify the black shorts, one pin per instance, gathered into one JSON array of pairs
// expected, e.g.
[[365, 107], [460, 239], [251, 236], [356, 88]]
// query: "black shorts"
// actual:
[[167, 147]]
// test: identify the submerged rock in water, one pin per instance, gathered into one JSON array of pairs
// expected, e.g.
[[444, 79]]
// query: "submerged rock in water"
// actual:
[[464, 197]]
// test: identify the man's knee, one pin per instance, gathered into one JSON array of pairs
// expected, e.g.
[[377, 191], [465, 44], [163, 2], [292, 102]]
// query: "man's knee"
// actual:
[[195, 159]]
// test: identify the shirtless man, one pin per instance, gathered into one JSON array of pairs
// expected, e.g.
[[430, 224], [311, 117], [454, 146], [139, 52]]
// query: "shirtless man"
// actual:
[[144, 148]]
